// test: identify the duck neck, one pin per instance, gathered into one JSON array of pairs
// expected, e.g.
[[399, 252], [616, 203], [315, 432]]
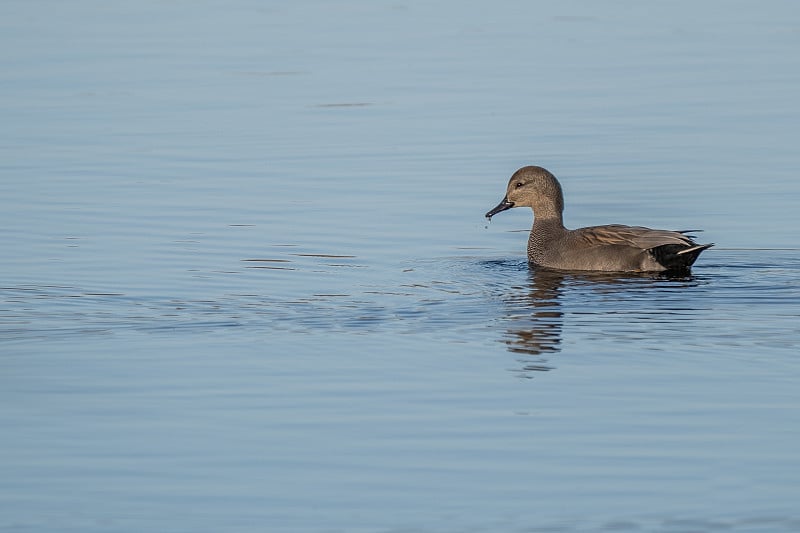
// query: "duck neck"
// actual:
[[548, 223], [544, 230]]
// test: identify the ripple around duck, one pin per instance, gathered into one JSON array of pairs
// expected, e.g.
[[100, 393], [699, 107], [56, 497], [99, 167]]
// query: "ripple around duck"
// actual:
[[458, 298]]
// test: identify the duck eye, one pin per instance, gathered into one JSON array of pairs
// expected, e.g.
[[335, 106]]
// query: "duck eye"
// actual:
[[518, 184]]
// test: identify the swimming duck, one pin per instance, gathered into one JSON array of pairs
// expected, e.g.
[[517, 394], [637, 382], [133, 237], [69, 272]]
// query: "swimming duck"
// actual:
[[609, 248]]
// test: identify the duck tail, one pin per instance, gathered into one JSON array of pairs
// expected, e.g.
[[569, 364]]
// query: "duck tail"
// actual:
[[695, 250]]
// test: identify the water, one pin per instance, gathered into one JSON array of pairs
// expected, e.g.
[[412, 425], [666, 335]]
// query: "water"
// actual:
[[247, 284]]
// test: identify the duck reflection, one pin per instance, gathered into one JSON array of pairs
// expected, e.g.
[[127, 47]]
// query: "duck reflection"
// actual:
[[535, 320], [535, 314]]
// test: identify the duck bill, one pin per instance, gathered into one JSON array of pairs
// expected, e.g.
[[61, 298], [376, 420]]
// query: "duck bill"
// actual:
[[502, 206]]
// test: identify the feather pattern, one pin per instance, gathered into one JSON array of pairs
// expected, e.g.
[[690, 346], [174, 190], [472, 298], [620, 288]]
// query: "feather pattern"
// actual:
[[635, 236]]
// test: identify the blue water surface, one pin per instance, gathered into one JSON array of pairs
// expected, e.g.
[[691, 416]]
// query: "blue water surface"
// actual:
[[246, 282]]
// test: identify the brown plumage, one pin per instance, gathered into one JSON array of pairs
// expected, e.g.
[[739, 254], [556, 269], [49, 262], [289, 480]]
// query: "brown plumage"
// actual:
[[610, 248]]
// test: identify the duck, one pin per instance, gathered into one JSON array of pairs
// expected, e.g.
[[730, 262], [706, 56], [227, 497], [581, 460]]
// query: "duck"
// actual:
[[608, 248]]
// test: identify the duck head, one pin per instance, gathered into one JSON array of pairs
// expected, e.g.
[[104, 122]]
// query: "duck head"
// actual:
[[533, 187]]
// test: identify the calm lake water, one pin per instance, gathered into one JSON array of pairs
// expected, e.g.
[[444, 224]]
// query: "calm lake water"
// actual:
[[246, 282]]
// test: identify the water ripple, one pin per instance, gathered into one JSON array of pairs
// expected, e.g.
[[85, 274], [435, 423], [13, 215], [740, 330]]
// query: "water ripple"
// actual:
[[532, 312]]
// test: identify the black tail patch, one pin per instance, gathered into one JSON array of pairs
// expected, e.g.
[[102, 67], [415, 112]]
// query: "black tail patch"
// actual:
[[677, 257]]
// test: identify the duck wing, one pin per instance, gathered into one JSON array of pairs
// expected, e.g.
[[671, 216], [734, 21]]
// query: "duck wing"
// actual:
[[633, 236]]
